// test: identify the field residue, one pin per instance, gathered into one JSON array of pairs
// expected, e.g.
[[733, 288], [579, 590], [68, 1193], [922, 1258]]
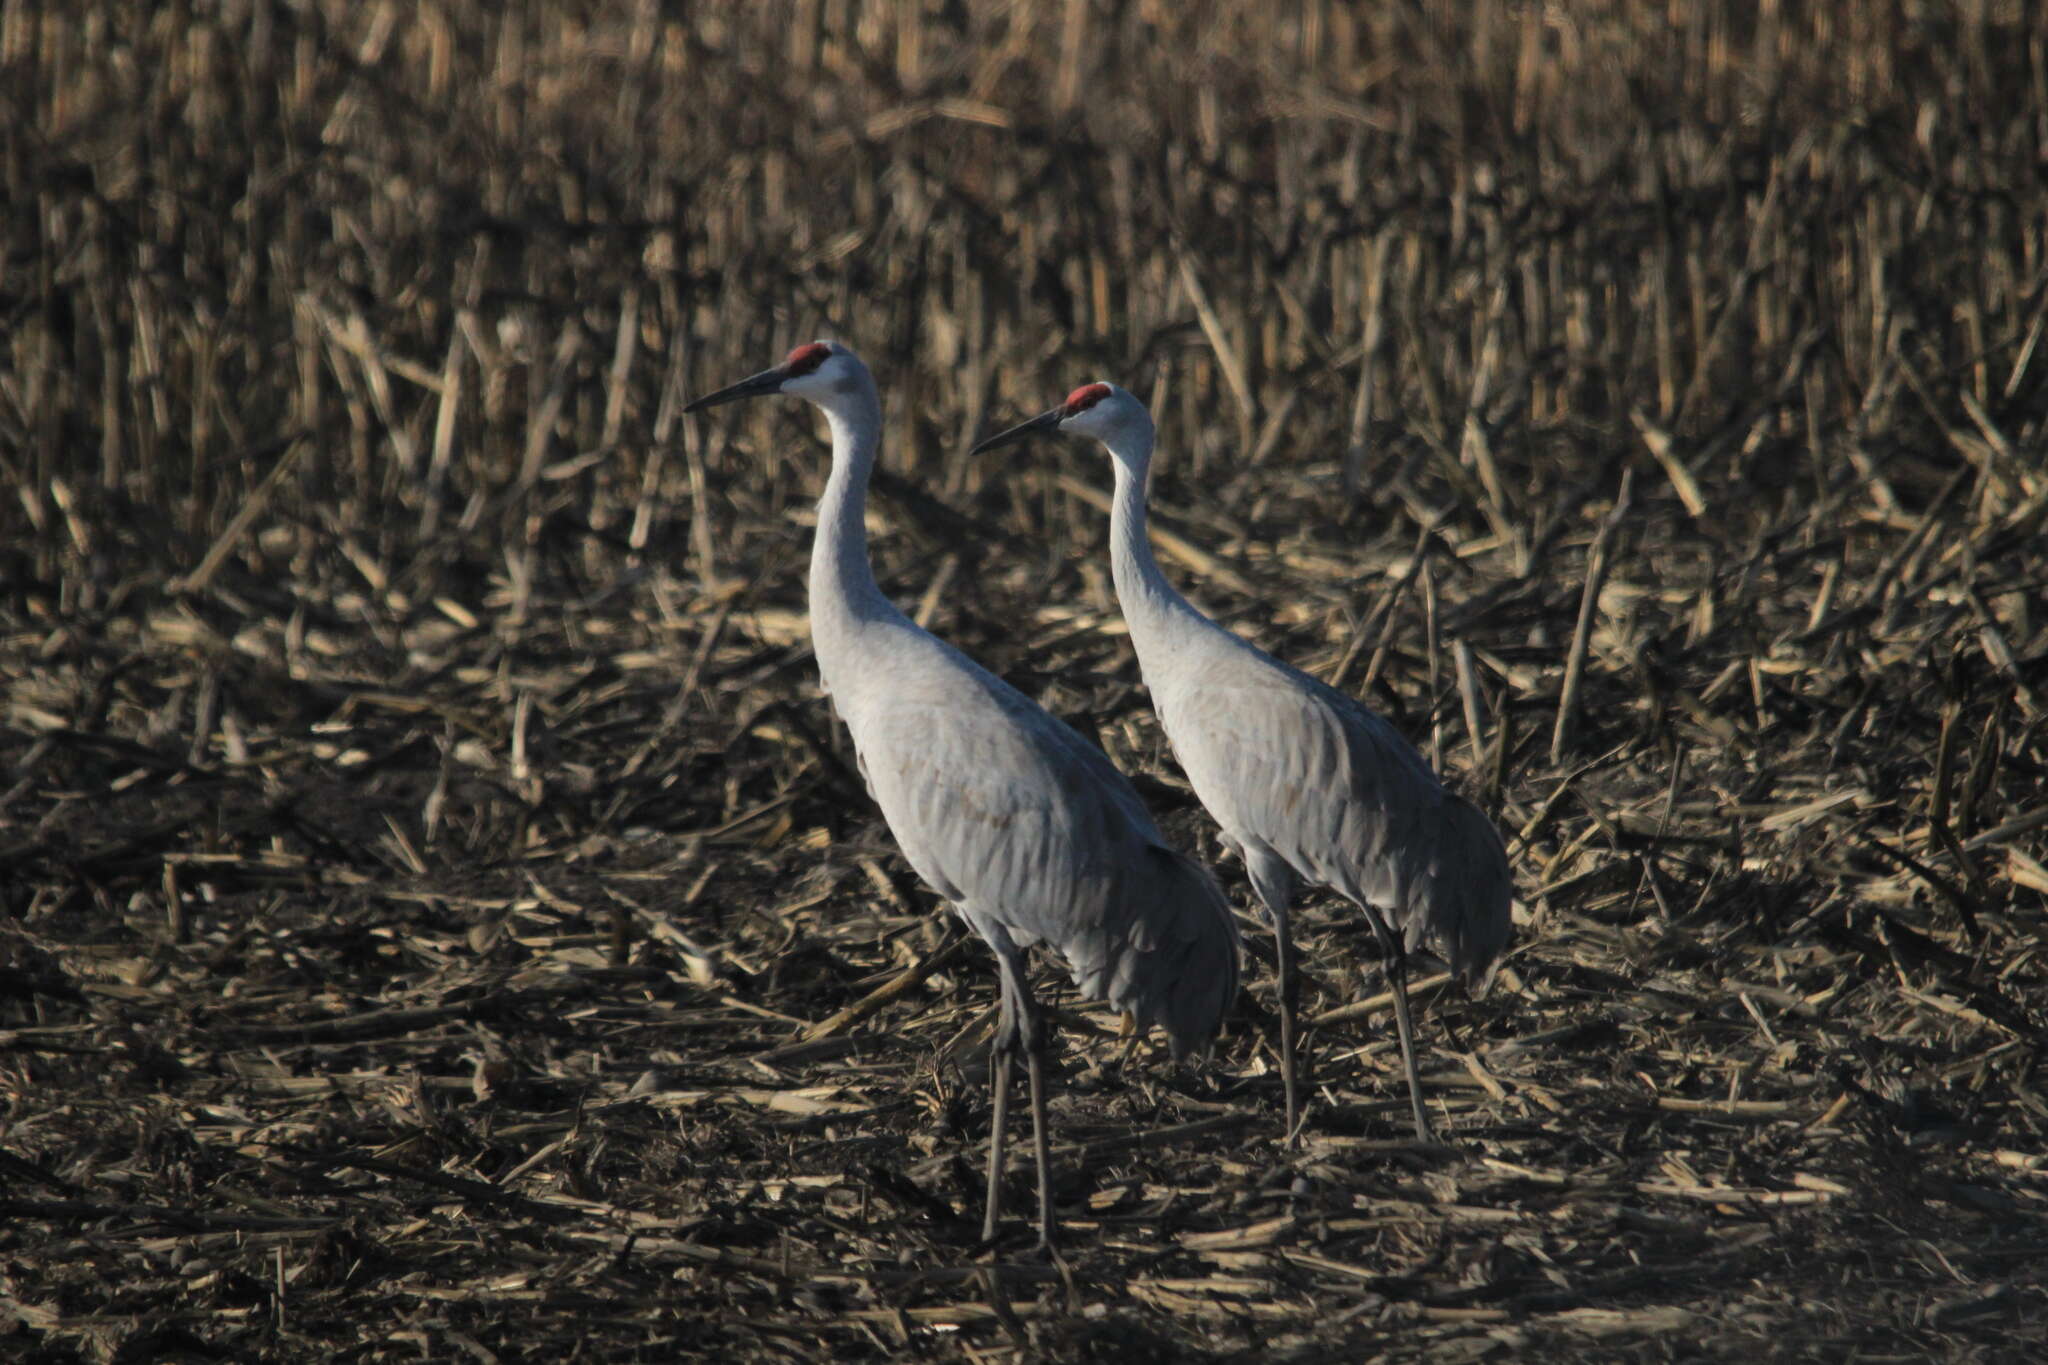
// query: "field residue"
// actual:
[[439, 918]]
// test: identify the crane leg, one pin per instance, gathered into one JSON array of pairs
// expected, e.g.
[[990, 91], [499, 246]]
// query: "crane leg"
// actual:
[[1397, 977], [1022, 1028], [1034, 1061], [1273, 882], [1000, 1052], [1290, 1065], [1032, 1036]]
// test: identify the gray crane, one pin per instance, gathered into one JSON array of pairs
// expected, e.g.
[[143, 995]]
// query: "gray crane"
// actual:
[[1308, 785], [1024, 827]]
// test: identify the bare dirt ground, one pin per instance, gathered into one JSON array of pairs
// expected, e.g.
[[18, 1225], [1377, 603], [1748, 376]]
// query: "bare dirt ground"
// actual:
[[437, 916]]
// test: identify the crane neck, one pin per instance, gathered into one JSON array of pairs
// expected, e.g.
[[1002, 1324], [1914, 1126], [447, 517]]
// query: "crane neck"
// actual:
[[1151, 605], [844, 594]]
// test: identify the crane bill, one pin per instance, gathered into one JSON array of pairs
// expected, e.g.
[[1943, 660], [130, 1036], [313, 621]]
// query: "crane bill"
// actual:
[[1045, 421], [753, 386]]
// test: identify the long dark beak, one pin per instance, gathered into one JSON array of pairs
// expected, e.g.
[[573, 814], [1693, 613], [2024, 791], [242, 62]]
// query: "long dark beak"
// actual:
[[753, 386], [1045, 421]]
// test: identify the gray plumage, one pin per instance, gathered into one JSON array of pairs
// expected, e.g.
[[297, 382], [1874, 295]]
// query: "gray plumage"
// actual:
[[1023, 826], [1030, 832], [1307, 784], [1314, 788]]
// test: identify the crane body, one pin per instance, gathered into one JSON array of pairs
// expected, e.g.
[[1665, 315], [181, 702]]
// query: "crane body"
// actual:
[[1025, 828], [1307, 784]]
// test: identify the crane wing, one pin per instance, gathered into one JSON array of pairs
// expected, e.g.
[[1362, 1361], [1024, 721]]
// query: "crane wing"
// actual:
[[1281, 765], [1284, 761], [1019, 821]]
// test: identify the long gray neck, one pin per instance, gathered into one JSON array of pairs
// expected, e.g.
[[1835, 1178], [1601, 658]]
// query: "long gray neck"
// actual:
[[1151, 606], [844, 594]]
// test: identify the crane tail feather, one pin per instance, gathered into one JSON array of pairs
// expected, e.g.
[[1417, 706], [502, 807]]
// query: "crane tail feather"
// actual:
[[1170, 957]]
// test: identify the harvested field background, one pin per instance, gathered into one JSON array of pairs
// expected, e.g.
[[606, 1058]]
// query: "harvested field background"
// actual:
[[438, 921]]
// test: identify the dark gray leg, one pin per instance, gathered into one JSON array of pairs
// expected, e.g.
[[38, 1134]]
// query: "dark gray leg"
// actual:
[[1397, 977], [1290, 1066], [1273, 880], [1034, 1062], [1002, 1048], [1022, 1028]]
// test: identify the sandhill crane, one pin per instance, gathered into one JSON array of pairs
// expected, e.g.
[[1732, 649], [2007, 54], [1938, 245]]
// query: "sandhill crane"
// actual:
[[1308, 785], [1025, 828]]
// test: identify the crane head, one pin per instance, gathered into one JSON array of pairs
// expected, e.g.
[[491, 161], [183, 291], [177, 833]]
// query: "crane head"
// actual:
[[1096, 410], [813, 370]]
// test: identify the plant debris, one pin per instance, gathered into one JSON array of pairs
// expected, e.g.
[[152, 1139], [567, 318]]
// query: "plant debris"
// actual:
[[439, 918]]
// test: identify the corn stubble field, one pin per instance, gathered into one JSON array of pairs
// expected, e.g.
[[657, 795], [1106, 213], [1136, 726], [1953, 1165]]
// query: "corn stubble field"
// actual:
[[438, 918]]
